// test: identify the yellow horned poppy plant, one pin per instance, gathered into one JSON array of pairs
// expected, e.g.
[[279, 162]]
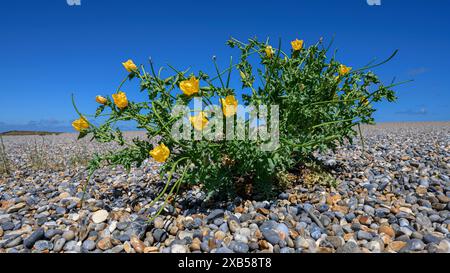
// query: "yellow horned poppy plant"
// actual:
[[229, 105], [199, 121], [80, 124], [191, 86], [120, 100], [130, 66], [209, 145], [160, 153]]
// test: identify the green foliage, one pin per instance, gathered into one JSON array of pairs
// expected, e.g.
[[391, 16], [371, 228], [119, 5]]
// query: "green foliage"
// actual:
[[318, 110]]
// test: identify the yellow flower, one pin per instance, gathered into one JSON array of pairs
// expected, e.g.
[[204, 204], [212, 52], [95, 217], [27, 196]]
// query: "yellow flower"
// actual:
[[297, 44], [229, 105], [242, 74], [101, 100], [364, 101], [199, 121], [269, 51], [120, 99], [344, 70], [191, 86], [80, 124], [160, 153], [130, 66]]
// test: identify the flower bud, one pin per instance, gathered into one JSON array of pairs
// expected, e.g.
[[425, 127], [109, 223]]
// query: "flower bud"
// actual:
[[101, 100], [130, 66]]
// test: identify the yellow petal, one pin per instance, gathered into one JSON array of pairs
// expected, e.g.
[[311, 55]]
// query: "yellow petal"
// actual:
[[229, 105], [160, 153], [297, 44], [199, 121], [191, 86], [80, 124], [269, 51], [344, 70], [130, 66], [120, 100]]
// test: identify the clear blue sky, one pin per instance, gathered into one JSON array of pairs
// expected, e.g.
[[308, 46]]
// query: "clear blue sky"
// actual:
[[49, 49]]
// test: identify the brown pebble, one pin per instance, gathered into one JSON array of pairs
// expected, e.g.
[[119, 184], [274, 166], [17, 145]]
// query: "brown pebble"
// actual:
[[264, 244], [386, 239], [263, 211], [292, 198], [151, 249], [137, 244], [260, 218], [173, 230], [397, 245], [104, 243], [205, 231], [219, 235], [195, 245], [211, 243], [365, 220], [387, 230], [338, 208], [421, 190], [348, 236], [443, 198], [127, 247], [294, 234], [333, 198], [324, 250], [395, 210]]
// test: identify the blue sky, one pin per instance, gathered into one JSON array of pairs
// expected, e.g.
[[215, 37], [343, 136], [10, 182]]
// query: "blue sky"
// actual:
[[50, 49]]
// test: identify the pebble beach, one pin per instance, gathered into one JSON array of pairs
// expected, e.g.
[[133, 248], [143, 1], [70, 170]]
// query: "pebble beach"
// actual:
[[392, 196]]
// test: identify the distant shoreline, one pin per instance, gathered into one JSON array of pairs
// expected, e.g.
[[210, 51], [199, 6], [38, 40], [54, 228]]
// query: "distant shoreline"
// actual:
[[29, 133], [44, 132]]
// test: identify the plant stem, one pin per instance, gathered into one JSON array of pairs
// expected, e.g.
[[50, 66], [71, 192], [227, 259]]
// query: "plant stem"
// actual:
[[91, 172], [330, 122], [362, 138], [168, 181], [176, 185], [218, 72], [121, 84], [229, 72], [164, 126], [375, 65]]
